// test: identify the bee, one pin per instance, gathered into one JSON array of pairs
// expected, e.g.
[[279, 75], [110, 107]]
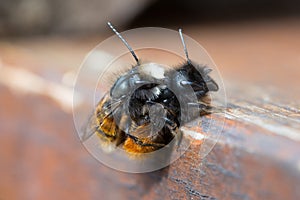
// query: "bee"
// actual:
[[146, 106]]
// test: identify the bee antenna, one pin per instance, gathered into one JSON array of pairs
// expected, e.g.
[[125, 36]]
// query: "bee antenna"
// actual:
[[184, 47], [124, 41]]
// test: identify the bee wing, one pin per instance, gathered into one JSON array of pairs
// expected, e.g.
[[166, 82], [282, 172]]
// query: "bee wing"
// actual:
[[90, 128], [143, 130], [146, 130], [105, 108]]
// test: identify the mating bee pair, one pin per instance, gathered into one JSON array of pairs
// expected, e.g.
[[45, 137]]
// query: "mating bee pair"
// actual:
[[145, 107]]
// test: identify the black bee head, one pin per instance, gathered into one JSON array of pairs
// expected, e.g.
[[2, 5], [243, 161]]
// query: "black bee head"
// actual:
[[196, 77], [142, 78]]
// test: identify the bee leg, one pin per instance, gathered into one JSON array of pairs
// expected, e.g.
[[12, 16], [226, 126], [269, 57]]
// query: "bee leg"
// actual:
[[171, 124], [200, 105], [206, 108], [200, 93], [173, 127], [180, 136], [143, 143]]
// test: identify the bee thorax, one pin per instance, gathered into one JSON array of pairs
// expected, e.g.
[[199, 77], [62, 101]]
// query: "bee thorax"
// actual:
[[153, 70]]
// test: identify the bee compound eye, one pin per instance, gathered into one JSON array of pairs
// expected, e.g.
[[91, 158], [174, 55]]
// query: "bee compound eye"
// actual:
[[120, 87]]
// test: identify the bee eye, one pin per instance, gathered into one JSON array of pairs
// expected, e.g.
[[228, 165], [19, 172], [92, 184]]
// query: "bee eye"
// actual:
[[121, 87]]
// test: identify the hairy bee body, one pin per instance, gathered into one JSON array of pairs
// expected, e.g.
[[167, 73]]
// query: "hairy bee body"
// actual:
[[146, 106], [142, 113]]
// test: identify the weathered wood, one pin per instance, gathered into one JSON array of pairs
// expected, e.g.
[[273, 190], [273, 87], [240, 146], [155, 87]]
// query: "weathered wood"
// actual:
[[256, 156]]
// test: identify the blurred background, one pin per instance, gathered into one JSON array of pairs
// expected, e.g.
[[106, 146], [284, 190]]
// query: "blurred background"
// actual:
[[255, 44], [44, 17]]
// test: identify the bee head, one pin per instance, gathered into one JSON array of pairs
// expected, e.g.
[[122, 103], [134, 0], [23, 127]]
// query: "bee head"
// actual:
[[141, 75]]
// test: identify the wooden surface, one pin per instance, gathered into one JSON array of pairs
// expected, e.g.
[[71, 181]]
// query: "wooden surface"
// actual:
[[256, 156]]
